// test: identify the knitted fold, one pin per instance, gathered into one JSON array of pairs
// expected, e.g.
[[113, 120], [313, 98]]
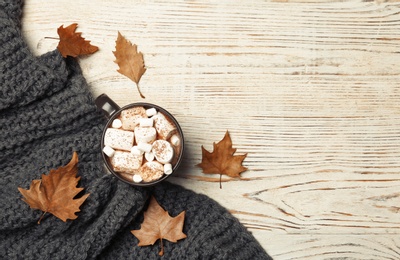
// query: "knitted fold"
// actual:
[[47, 113]]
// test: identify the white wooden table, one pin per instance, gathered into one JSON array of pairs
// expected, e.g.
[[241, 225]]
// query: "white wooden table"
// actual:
[[309, 89]]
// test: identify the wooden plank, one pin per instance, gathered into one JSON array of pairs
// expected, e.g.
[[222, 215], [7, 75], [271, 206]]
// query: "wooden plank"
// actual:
[[343, 246]]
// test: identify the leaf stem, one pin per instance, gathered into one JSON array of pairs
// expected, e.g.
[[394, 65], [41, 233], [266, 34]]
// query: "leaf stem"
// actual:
[[53, 38], [140, 92], [161, 253], [41, 217]]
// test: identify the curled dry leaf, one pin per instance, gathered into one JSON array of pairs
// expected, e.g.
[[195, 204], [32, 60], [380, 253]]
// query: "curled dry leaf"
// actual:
[[71, 42], [221, 160], [55, 192], [129, 60], [158, 224]]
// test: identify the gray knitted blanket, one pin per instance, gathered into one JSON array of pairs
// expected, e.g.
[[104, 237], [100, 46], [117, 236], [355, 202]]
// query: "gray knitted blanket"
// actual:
[[46, 113]]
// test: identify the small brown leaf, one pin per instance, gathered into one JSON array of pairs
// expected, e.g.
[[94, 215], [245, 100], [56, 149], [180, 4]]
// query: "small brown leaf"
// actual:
[[56, 191], [72, 44], [158, 224], [222, 160], [130, 62]]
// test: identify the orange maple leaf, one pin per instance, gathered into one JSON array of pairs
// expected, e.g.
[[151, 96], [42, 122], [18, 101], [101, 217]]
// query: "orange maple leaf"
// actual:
[[55, 192], [158, 224], [129, 60], [221, 160], [71, 42]]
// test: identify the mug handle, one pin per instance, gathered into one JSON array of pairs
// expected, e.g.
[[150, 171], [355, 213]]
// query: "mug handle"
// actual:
[[106, 105]]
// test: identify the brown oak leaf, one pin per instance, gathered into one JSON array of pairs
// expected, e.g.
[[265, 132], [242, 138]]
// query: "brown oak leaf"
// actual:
[[71, 42], [55, 192], [158, 224], [129, 60], [222, 160]]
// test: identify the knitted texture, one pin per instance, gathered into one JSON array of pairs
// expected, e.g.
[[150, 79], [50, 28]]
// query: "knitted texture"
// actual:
[[46, 113]]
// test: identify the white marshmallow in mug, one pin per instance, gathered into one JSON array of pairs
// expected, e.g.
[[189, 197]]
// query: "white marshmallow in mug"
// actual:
[[119, 139], [163, 151], [108, 151], [151, 171], [151, 112], [116, 123], [149, 156], [167, 168], [165, 128], [175, 140], [146, 122], [145, 134], [130, 117], [126, 162], [145, 147], [136, 151], [137, 178]]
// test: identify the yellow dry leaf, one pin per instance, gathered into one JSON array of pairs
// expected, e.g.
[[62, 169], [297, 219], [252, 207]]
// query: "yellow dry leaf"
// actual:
[[129, 60], [55, 192]]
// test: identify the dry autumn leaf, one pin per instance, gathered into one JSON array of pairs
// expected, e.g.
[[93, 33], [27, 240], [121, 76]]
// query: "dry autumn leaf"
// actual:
[[56, 191], [130, 62], [72, 44], [158, 224], [222, 160]]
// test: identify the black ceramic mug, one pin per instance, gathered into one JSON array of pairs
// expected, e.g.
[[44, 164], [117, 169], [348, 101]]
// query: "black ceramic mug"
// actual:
[[112, 111]]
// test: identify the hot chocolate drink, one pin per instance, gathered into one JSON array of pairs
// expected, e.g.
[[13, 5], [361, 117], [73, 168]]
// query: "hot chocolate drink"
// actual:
[[142, 144]]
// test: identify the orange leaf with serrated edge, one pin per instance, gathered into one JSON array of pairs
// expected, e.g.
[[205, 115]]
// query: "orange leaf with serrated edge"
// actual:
[[71, 42], [222, 160], [158, 224], [129, 60], [55, 192]]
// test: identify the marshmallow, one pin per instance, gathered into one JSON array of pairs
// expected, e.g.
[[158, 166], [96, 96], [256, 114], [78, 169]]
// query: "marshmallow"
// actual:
[[151, 171], [119, 139], [130, 117], [151, 112], [175, 140], [126, 162], [116, 123], [136, 151], [146, 122], [137, 178], [108, 151], [149, 156], [167, 168], [165, 128], [145, 147], [163, 151], [145, 134]]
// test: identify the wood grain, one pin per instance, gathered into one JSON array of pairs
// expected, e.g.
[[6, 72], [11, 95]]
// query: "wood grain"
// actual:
[[309, 89]]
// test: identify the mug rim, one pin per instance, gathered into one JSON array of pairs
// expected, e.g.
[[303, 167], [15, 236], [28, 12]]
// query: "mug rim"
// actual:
[[146, 106]]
